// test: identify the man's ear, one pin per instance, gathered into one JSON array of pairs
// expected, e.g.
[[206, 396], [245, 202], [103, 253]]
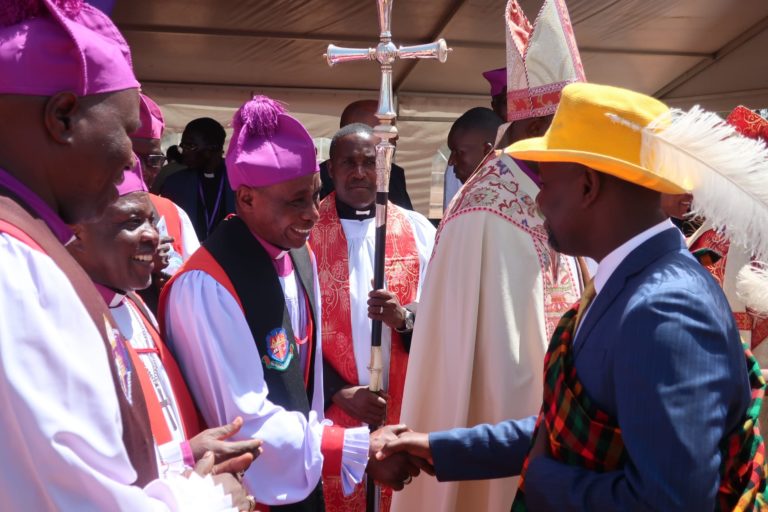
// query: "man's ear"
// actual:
[[58, 113], [245, 198], [591, 185], [538, 126]]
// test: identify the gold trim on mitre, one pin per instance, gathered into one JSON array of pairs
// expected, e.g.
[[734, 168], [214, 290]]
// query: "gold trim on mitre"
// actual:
[[540, 60]]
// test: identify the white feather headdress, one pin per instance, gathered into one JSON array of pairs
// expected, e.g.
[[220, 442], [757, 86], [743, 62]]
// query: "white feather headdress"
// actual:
[[752, 287], [726, 172]]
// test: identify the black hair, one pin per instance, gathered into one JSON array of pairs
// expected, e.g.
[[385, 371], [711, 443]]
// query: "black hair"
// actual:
[[210, 129], [479, 119], [350, 129]]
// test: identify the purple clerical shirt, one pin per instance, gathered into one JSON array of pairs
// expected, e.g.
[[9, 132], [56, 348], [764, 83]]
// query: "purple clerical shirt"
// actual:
[[530, 172], [38, 207]]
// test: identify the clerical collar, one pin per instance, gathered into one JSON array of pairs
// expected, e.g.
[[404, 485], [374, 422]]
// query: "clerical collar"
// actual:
[[347, 212], [111, 296], [209, 174], [280, 259]]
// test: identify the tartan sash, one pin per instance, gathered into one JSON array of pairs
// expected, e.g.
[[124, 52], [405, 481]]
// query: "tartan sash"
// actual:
[[583, 435]]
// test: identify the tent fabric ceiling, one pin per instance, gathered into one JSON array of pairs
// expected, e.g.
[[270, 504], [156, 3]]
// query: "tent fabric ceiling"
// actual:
[[215, 52], [280, 43]]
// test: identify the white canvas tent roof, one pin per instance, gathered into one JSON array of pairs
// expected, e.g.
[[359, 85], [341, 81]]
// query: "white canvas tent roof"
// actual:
[[205, 57]]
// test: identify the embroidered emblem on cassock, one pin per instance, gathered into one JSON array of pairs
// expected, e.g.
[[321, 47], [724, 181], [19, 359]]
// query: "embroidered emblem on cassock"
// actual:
[[121, 358], [279, 350]]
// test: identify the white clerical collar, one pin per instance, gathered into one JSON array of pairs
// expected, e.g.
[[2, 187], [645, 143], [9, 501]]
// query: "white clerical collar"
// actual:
[[610, 263]]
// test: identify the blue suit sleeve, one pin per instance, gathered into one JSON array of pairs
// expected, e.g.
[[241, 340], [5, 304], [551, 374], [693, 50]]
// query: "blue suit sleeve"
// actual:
[[481, 452], [677, 394]]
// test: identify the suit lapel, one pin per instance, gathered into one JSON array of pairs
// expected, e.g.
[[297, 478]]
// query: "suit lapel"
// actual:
[[652, 249]]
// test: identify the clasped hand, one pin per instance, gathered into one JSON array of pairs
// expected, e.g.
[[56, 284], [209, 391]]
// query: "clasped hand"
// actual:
[[395, 467]]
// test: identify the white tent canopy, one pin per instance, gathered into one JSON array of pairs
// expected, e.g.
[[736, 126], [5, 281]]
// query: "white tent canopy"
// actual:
[[205, 57]]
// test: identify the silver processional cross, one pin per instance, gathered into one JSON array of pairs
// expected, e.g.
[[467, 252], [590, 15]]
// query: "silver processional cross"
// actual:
[[385, 54]]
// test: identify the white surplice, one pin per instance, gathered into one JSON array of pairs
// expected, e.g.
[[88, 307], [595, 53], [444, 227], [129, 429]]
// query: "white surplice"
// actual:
[[361, 241], [61, 427], [493, 293], [220, 361]]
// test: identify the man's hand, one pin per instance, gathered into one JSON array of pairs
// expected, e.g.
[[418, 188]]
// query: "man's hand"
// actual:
[[231, 485], [384, 306], [163, 254], [412, 443], [362, 404], [398, 470], [229, 456]]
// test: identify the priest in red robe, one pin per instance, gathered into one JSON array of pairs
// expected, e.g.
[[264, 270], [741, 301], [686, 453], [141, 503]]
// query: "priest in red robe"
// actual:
[[343, 240]]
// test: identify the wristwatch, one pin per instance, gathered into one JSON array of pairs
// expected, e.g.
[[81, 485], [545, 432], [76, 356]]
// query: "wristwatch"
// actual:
[[409, 318]]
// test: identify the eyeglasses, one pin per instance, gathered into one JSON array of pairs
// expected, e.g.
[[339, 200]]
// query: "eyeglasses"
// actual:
[[155, 161], [188, 146]]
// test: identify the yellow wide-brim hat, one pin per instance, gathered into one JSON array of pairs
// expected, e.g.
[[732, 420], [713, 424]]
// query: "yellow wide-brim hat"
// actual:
[[600, 126]]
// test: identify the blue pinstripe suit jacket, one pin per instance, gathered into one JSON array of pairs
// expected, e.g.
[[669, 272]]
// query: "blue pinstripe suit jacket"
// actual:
[[660, 352]]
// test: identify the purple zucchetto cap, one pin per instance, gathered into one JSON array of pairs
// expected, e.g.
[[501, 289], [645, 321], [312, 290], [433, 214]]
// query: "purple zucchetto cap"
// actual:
[[151, 117], [52, 46], [498, 80], [268, 146], [133, 179]]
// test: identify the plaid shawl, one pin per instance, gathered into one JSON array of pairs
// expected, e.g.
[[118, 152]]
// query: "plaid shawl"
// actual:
[[583, 435]]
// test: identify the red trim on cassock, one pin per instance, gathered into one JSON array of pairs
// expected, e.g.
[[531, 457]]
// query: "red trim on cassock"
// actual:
[[21, 236], [331, 447]]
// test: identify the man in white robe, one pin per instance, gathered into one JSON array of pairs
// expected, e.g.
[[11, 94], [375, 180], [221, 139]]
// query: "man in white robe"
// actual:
[[343, 241], [74, 435], [117, 251], [242, 318], [494, 290]]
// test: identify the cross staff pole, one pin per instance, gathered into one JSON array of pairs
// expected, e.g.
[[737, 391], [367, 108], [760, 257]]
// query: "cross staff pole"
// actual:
[[385, 54]]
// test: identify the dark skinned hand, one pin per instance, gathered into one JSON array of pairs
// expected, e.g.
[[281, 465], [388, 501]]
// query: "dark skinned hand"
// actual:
[[229, 456], [362, 404], [399, 468], [162, 254], [231, 485], [412, 443], [384, 306]]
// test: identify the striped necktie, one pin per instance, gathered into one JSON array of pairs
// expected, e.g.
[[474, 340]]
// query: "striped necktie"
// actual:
[[586, 299]]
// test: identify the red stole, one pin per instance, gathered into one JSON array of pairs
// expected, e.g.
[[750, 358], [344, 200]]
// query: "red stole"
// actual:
[[401, 270], [187, 411]]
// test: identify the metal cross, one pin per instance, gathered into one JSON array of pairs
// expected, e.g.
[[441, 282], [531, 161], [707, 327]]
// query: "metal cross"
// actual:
[[385, 54]]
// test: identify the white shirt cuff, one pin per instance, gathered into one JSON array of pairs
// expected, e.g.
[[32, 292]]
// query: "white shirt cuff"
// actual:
[[354, 457]]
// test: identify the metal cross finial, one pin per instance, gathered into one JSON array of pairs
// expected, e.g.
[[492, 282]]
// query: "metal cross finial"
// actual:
[[386, 53]]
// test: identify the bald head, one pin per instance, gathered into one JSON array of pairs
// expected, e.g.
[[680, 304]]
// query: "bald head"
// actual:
[[361, 111]]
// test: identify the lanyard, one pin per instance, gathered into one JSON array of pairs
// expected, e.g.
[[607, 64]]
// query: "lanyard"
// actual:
[[210, 220]]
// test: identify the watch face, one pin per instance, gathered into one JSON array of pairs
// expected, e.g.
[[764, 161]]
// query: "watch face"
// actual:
[[409, 317]]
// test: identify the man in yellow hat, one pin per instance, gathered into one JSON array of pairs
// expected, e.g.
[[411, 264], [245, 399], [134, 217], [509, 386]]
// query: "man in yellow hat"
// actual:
[[650, 401]]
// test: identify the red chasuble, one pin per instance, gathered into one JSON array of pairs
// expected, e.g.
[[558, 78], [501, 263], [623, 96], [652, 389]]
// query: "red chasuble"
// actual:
[[401, 271]]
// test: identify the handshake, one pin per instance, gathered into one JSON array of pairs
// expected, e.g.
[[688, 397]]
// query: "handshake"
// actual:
[[397, 454]]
